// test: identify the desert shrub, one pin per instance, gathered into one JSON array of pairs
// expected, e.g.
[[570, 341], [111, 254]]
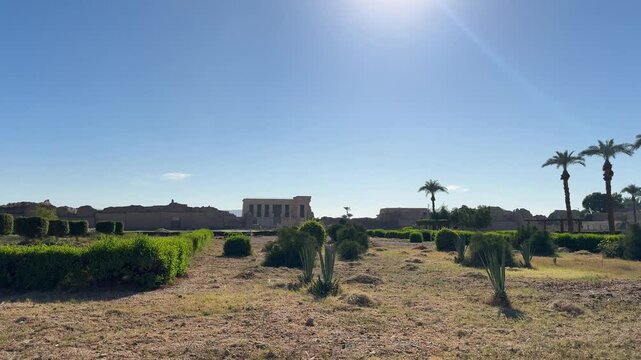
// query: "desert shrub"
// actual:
[[119, 228], [493, 260], [106, 227], [461, 246], [576, 242], [353, 232], [31, 227], [526, 253], [349, 250], [523, 233], [326, 285], [237, 245], [78, 228], [285, 250], [308, 259], [612, 246], [6, 224], [541, 243], [58, 228], [316, 230], [138, 260], [480, 243], [632, 243], [416, 237], [446, 240]]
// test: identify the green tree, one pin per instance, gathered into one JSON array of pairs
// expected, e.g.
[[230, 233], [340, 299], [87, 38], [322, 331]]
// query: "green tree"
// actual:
[[45, 212], [466, 217], [596, 202], [634, 192], [608, 150], [431, 187], [563, 160]]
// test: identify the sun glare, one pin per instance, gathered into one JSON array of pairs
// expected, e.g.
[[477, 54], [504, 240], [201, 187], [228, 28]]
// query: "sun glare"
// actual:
[[390, 12]]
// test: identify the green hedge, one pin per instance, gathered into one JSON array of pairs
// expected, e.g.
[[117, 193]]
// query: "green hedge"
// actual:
[[106, 227], [58, 228], [6, 224], [237, 245], [573, 242], [31, 227], [119, 228], [446, 240], [137, 260], [416, 237], [78, 228], [483, 242]]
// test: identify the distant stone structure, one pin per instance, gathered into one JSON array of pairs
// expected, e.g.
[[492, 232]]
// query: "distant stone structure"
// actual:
[[174, 216], [274, 213]]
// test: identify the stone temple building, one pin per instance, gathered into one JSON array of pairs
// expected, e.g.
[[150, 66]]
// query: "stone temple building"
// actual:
[[273, 213]]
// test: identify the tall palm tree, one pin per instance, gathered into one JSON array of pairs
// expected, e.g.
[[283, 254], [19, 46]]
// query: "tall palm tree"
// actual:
[[563, 160], [634, 192], [608, 150], [431, 187]]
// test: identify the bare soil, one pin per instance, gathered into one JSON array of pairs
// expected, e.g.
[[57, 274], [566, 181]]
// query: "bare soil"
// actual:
[[234, 308]]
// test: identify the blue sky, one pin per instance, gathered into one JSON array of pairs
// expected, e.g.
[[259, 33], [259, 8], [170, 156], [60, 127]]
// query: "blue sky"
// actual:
[[354, 102]]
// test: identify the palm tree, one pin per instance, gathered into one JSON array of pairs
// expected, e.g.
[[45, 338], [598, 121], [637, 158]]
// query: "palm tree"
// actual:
[[563, 160], [634, 191], [431, 187], [608, 150]]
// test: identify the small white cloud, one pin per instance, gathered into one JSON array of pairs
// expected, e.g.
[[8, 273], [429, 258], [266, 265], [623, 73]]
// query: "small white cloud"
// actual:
[[457, 188], [175, 176]]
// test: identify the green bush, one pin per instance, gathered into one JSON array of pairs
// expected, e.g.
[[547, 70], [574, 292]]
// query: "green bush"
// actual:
[[285, 250], [138, 260], [58, 228], [541, 244], [106, 227], [446, 240], [482, 243], [632, 243], [380, 233], [119, 228], [78, 228], [31, 227], [576, 242], [349, 250], [523, 234], [6, 224], [237, 245], [612, 246], [416, 237], [316, 230]]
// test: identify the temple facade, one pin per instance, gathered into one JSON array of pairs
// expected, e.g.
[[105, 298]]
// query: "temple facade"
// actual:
[[274, 213]]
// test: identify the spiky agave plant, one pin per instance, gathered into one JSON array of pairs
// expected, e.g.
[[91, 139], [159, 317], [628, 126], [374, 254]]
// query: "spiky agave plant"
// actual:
[[494, 265], [326, 285], [307, 257], [526, 253], [461, 245]]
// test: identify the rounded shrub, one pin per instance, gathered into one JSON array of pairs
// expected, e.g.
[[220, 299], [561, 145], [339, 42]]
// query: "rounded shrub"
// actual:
[[316, 230], [119, 228], [31, 227], [349, 250], [481, 243], [542, 244], [416, 237], [632, 243], [446, 240], [237, 245], [106, 227], [58, 228], [78, 228], [6, 224], [285, 250]]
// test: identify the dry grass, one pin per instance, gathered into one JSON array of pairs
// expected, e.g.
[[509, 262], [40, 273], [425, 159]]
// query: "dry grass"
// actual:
[[437, 310]]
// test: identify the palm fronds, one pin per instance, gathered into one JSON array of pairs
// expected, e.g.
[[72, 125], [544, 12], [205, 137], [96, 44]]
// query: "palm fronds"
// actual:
[[564, 159], [608, 149]]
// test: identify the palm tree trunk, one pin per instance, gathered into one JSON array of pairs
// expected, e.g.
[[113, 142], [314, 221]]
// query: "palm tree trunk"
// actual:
[[433, 205], [568, 208], [607, 177], [634, 208]]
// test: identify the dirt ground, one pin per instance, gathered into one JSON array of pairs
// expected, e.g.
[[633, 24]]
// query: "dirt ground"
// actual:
[[399, 302]]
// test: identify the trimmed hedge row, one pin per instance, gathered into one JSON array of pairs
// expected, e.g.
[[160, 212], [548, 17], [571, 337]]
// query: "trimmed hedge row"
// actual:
[[58, 228], [573, 242], [31, 227], [237, 245], [137, 260]]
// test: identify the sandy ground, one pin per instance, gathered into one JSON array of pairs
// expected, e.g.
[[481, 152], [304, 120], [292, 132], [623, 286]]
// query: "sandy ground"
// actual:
[[415, 303]]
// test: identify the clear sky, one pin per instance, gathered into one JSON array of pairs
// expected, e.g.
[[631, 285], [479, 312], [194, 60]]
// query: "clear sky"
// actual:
[[354, 102]]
